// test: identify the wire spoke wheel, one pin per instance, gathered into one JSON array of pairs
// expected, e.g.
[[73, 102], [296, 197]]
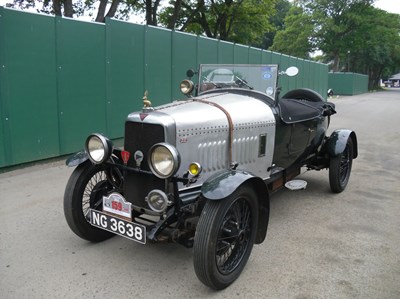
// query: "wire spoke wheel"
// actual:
[[233, 237], [84, 191], [340, 168], [93, 193], [224, 238], [345, 165]]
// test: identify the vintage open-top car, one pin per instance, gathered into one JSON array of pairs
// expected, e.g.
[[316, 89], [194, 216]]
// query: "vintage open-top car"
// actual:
[[200, 171]]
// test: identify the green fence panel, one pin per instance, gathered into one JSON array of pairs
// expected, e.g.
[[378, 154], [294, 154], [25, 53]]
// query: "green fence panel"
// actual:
[[340, 84], [301, 75], [310, 82], [5, 158], [318, 79], [241, 54], [319, 85], [158, 68], [225, 52], [124, 73], [29, 106], [283, 79], [207, 50], [184, 57], [320, 82], [306, 75], [357, 82], [266, 57], [323, 84], [314, 72], [348, 83], [292, 81], [275, 58], [314, 79], [285, 62], [362, 84], [255, 55], [81, 81]]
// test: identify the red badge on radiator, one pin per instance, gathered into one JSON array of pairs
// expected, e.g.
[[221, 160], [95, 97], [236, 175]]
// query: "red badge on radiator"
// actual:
[[125, 156], [143, 116]]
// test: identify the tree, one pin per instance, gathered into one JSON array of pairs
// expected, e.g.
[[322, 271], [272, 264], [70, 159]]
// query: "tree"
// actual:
[[282, 8], [69, 8], [352, 35], [358, 37], [333, 23], [374, 44], [296, 37], [242, 21]]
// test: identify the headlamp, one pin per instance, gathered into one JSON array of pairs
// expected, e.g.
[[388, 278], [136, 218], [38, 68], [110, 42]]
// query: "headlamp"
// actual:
[[186, 86], [99, 148], [164, 160]]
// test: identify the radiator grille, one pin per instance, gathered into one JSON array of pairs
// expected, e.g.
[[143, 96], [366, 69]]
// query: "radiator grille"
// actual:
[[141, 136]]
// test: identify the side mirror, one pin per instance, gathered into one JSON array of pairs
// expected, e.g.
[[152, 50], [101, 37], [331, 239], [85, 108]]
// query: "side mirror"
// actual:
[[190, 73], [292, 71]]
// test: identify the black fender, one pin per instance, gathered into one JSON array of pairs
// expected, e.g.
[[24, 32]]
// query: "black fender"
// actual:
[[77, 159], [224, 183], [336, 143], [82, 156]]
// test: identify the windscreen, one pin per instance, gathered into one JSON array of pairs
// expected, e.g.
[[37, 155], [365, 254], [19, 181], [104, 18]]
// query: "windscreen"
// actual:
[[261, 78]]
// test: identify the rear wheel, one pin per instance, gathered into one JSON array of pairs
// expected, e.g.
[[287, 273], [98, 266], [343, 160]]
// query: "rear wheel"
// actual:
[[224, 238], [85, 190], [340, 168]]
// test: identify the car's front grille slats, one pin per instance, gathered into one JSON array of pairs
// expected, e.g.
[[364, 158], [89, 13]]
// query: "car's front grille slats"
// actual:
[[141, 137]]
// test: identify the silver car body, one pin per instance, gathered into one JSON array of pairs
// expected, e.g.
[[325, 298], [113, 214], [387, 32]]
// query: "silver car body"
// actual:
[[199, 131]]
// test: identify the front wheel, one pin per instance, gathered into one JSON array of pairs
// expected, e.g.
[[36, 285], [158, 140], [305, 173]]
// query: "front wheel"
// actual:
[[224, 238], [340, 168], [85, 190]]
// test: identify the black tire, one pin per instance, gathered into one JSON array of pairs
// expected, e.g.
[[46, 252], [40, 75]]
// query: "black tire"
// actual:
[[340, 168], [223, 242], [84, 190], [304, 94]]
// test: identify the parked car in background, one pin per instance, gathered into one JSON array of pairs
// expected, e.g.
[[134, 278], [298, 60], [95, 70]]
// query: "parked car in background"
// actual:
[[200, 171]]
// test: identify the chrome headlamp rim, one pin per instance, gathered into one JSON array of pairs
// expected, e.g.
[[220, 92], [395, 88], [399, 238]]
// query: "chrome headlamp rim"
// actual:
[[104, 148], [186, 86], [174, 158]]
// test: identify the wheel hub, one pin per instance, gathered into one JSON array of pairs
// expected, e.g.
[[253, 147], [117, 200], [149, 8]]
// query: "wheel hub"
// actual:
[[241, 236]]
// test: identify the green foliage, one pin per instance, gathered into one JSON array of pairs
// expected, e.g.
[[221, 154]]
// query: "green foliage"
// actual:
[[295, 39], [352, 35], [251, 21], [241, 21], [123, 8], [374, 44], [282, 8], [362, 39]]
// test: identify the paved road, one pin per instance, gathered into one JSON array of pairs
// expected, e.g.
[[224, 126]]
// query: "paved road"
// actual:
[[319, 245]]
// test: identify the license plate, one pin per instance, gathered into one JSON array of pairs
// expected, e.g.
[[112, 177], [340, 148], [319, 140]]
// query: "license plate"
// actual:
[[130, 230]]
